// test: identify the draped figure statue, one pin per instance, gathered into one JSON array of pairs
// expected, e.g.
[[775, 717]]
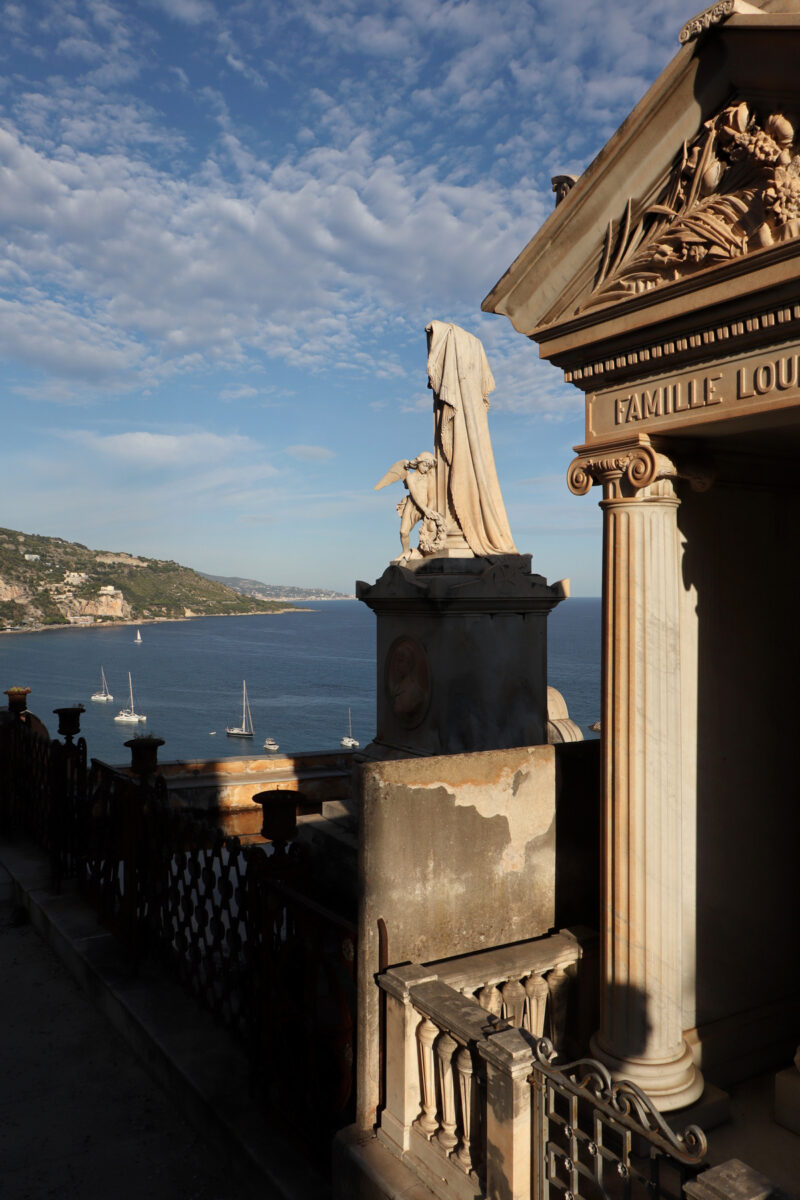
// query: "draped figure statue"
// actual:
[[454, 492], [467, 488]]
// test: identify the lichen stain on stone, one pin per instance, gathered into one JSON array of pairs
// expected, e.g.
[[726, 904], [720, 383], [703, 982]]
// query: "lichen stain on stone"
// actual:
[[513, 797], [435, 847]]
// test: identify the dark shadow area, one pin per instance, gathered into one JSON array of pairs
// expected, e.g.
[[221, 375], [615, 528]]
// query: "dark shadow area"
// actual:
[[741, 556], [243, 924], [578, 800]]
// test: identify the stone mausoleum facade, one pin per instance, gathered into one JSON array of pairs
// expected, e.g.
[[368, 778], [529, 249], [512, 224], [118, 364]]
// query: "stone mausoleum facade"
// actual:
[[666, 286]]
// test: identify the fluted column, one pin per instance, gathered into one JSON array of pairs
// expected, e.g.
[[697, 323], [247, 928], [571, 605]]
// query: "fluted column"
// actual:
[[640, 1036]]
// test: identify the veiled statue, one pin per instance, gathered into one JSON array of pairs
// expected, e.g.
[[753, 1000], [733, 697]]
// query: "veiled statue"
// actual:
[[454, 493]]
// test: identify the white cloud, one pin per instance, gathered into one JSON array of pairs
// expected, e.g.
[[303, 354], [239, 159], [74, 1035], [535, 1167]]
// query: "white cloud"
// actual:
[[149, 451], [242, 391], [191, 12], [310, 453], [132, 251], [339, 241]]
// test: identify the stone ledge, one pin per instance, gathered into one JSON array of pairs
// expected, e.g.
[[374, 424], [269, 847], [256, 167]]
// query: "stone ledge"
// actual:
[[733, 1180]]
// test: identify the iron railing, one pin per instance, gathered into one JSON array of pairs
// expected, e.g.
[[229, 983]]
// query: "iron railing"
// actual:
[[479, 1107], [234, 921], [596, 1138]]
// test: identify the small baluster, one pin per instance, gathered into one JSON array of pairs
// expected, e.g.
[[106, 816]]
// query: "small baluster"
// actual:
[[558, 985], [490, 999], [513, 994], [445, 1049], [537, 992], [426, 1034], [465, 1076]]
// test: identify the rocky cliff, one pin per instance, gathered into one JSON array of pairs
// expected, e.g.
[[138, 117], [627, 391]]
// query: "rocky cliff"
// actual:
[[49, 581]]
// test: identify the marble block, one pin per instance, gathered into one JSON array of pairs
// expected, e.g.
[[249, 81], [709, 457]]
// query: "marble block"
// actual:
[[462, 655]]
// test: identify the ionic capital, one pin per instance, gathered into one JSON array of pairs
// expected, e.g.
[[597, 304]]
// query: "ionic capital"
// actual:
[[625, 469], [622, 469]]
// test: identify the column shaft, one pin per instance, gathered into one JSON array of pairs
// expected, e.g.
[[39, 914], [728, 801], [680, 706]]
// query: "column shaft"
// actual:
[[640, 1036]]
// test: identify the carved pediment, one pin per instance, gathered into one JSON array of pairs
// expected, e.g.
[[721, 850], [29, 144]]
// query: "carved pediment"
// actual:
[[687, 224], [734, 189]]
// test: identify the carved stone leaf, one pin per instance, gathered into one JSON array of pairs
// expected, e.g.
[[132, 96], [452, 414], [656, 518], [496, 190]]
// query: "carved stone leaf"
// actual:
[[734, 190]]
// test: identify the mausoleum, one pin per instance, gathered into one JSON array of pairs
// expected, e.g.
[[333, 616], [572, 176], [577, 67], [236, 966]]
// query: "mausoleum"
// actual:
[[665, 286]]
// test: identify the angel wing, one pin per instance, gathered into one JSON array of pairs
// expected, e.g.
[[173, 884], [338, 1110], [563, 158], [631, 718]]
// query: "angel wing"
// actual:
[[398, 471]]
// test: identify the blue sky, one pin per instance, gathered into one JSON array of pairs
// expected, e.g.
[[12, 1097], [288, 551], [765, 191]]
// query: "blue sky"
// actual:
[[224, 228]]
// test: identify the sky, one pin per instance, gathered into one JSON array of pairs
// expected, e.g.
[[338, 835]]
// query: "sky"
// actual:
[[224, 228]]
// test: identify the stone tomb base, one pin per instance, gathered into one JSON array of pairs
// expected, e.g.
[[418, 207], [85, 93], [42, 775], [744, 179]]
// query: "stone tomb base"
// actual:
[[462, 655]]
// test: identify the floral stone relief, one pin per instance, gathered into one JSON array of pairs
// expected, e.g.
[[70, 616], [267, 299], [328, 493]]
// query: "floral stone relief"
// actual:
[[735, 189]]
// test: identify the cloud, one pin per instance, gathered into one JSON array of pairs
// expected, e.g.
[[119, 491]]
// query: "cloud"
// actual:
[[310, 453], [190, 12], [134, 248], [150, 451], [241, 391], [338, 240]]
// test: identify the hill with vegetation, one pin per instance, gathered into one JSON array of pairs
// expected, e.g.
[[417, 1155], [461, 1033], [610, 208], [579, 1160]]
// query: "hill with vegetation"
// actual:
[[275, 591], [48, 581]]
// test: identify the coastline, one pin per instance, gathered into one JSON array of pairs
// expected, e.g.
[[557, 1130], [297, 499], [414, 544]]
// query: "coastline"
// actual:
[[123, 622]]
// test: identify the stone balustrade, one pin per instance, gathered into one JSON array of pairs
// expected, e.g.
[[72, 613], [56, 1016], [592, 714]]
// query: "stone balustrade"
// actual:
[[527, 984], [457, 1096]]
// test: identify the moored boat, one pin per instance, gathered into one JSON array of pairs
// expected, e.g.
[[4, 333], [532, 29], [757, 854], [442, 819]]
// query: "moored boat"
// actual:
[[348, 741], [245, 730], [104, 694], [129, 715]]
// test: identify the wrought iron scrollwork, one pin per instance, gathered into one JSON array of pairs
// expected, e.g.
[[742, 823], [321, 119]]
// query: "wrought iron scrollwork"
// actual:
[[623, 1100]]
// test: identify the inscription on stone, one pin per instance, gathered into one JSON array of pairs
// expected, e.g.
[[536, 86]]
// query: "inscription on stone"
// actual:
[[731, 388]]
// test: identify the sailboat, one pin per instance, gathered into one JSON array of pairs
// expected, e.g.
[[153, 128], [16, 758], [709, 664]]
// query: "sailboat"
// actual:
[[246, 727], [138, 638], [129, 715], [348, 741], [104, 693]]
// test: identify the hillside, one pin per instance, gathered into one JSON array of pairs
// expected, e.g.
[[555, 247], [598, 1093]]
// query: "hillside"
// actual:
[[274, 591], [48, 581]]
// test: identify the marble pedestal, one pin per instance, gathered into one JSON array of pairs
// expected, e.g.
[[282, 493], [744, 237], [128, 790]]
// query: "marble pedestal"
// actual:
[[462, 655]]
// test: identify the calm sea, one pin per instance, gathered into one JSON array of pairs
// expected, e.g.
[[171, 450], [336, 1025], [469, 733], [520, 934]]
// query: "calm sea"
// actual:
[[304, 670]]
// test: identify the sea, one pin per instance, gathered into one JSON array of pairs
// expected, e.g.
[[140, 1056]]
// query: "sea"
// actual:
[[305, 672]]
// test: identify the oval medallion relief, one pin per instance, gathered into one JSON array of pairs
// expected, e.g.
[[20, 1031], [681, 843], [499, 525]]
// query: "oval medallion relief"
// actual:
[[407, 681]]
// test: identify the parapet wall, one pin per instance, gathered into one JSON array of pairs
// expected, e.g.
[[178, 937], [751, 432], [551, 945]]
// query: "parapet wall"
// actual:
[[457, 854], [227, 785]]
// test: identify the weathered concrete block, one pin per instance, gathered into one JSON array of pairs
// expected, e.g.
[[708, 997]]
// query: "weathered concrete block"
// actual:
[[733, 1180], [457, 854]]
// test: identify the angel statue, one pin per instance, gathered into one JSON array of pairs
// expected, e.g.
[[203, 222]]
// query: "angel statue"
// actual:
[[419, 477]]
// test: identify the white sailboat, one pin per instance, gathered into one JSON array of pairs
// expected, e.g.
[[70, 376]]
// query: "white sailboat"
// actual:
[[348, 741], [129, 715], [138, 639], [246, 727], [104, 693]]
